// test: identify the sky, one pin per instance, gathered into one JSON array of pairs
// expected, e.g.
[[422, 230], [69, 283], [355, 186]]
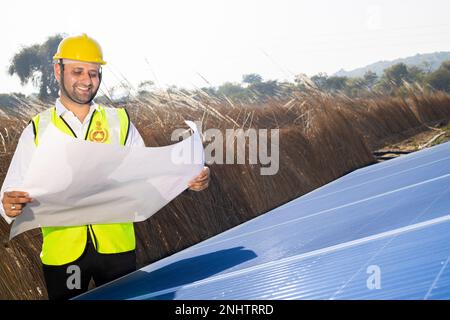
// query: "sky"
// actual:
[[197, 43]]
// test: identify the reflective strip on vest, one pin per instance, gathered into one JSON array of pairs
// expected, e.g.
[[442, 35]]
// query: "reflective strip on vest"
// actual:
[[63, 245]]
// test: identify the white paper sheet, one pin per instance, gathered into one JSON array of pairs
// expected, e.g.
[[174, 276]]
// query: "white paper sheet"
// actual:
[[76, 182]]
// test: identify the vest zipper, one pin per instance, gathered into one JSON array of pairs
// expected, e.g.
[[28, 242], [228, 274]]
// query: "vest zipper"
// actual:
[[89, 125], [95, 238], [86, 138]]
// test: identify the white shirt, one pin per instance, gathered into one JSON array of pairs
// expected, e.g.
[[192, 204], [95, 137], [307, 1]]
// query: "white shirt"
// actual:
[[26, 147]]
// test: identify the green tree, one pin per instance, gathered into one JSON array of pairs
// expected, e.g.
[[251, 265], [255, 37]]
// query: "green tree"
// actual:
[[320, 80], [34, 63], [303, 82], [210, 91], [416, 74], [369, 79], [397, 73], [393, 78], [232, 90], [251, 78], [335, 83], [266, 88], [355, 86], [440, 78]]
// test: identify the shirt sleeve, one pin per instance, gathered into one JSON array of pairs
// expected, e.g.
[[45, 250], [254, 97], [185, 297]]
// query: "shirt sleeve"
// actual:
[[18, 166], [134, 137]]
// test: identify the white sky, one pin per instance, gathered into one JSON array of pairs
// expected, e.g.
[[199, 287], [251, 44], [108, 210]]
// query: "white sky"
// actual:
[[173, 41]]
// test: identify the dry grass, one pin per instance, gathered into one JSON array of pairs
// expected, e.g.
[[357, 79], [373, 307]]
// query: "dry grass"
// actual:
[[322, 137]]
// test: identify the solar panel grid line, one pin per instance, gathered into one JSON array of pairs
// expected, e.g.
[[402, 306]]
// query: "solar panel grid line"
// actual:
[[347, 184], [293, 202], [315, 285], [420, 276], [413, 219], [303, 256], [436, 199], [447, 176], [370, 181], [386, 165], [442, 288], [258, 283], [406, 281], [320, 280], [404, 159], [362, 267], [283, 271], [272, 214], [365, 264], [406, 287], [427, 295], [264, 285], [255, 282], [229, 283], [211, 296], [380, 195], [350, 293]]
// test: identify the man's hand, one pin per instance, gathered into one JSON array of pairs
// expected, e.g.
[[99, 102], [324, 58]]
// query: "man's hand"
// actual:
[[14, 201], [201, 181]]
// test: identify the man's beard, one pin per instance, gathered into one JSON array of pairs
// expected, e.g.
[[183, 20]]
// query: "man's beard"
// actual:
[[78, 97]]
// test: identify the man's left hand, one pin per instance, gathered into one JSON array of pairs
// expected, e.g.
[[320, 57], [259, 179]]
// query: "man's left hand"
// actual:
[[200, 182]]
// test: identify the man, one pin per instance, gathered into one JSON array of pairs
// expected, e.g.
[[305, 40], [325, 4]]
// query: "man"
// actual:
[[103, 252]]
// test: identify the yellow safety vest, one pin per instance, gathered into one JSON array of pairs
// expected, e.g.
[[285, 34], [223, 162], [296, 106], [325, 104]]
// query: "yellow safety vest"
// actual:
[[62, 245]]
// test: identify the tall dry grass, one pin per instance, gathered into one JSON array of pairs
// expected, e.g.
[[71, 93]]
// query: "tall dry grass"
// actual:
[[322, 137]]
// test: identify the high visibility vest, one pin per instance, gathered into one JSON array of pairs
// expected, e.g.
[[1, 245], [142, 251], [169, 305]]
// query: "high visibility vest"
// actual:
[[62, 245]]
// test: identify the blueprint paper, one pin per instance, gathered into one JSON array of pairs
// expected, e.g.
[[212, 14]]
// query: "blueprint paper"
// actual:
[[75, 182]]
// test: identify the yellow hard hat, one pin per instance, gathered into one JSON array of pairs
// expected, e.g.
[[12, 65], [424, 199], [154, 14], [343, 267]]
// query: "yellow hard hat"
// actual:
[[80, 48]]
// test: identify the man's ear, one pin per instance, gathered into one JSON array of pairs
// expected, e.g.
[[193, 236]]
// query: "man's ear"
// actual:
[[56, 70]]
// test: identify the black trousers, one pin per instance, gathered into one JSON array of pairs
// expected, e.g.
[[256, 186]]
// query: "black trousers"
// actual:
[[69, 280]]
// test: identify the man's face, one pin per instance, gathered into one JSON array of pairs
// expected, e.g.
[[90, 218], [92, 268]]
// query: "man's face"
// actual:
[[81, 81]]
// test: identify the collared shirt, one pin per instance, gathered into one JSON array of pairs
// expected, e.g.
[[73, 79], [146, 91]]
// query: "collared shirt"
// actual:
[[26, 147]]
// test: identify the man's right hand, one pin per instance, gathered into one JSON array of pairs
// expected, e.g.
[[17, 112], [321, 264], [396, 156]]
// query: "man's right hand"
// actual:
[[14, 201]]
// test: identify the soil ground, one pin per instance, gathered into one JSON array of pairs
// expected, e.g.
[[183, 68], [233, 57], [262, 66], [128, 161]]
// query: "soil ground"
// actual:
[[434, 135]]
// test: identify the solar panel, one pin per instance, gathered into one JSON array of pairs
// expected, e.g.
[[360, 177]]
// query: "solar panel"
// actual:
[[380, 232]]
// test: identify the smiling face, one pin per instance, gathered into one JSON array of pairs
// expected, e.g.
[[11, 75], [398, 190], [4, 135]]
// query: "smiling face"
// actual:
[[81, 81]]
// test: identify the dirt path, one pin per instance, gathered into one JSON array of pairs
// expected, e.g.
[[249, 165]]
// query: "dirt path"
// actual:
[[435, 135]]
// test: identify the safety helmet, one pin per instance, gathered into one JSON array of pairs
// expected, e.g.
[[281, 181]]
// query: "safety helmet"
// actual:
[[80, 48]]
